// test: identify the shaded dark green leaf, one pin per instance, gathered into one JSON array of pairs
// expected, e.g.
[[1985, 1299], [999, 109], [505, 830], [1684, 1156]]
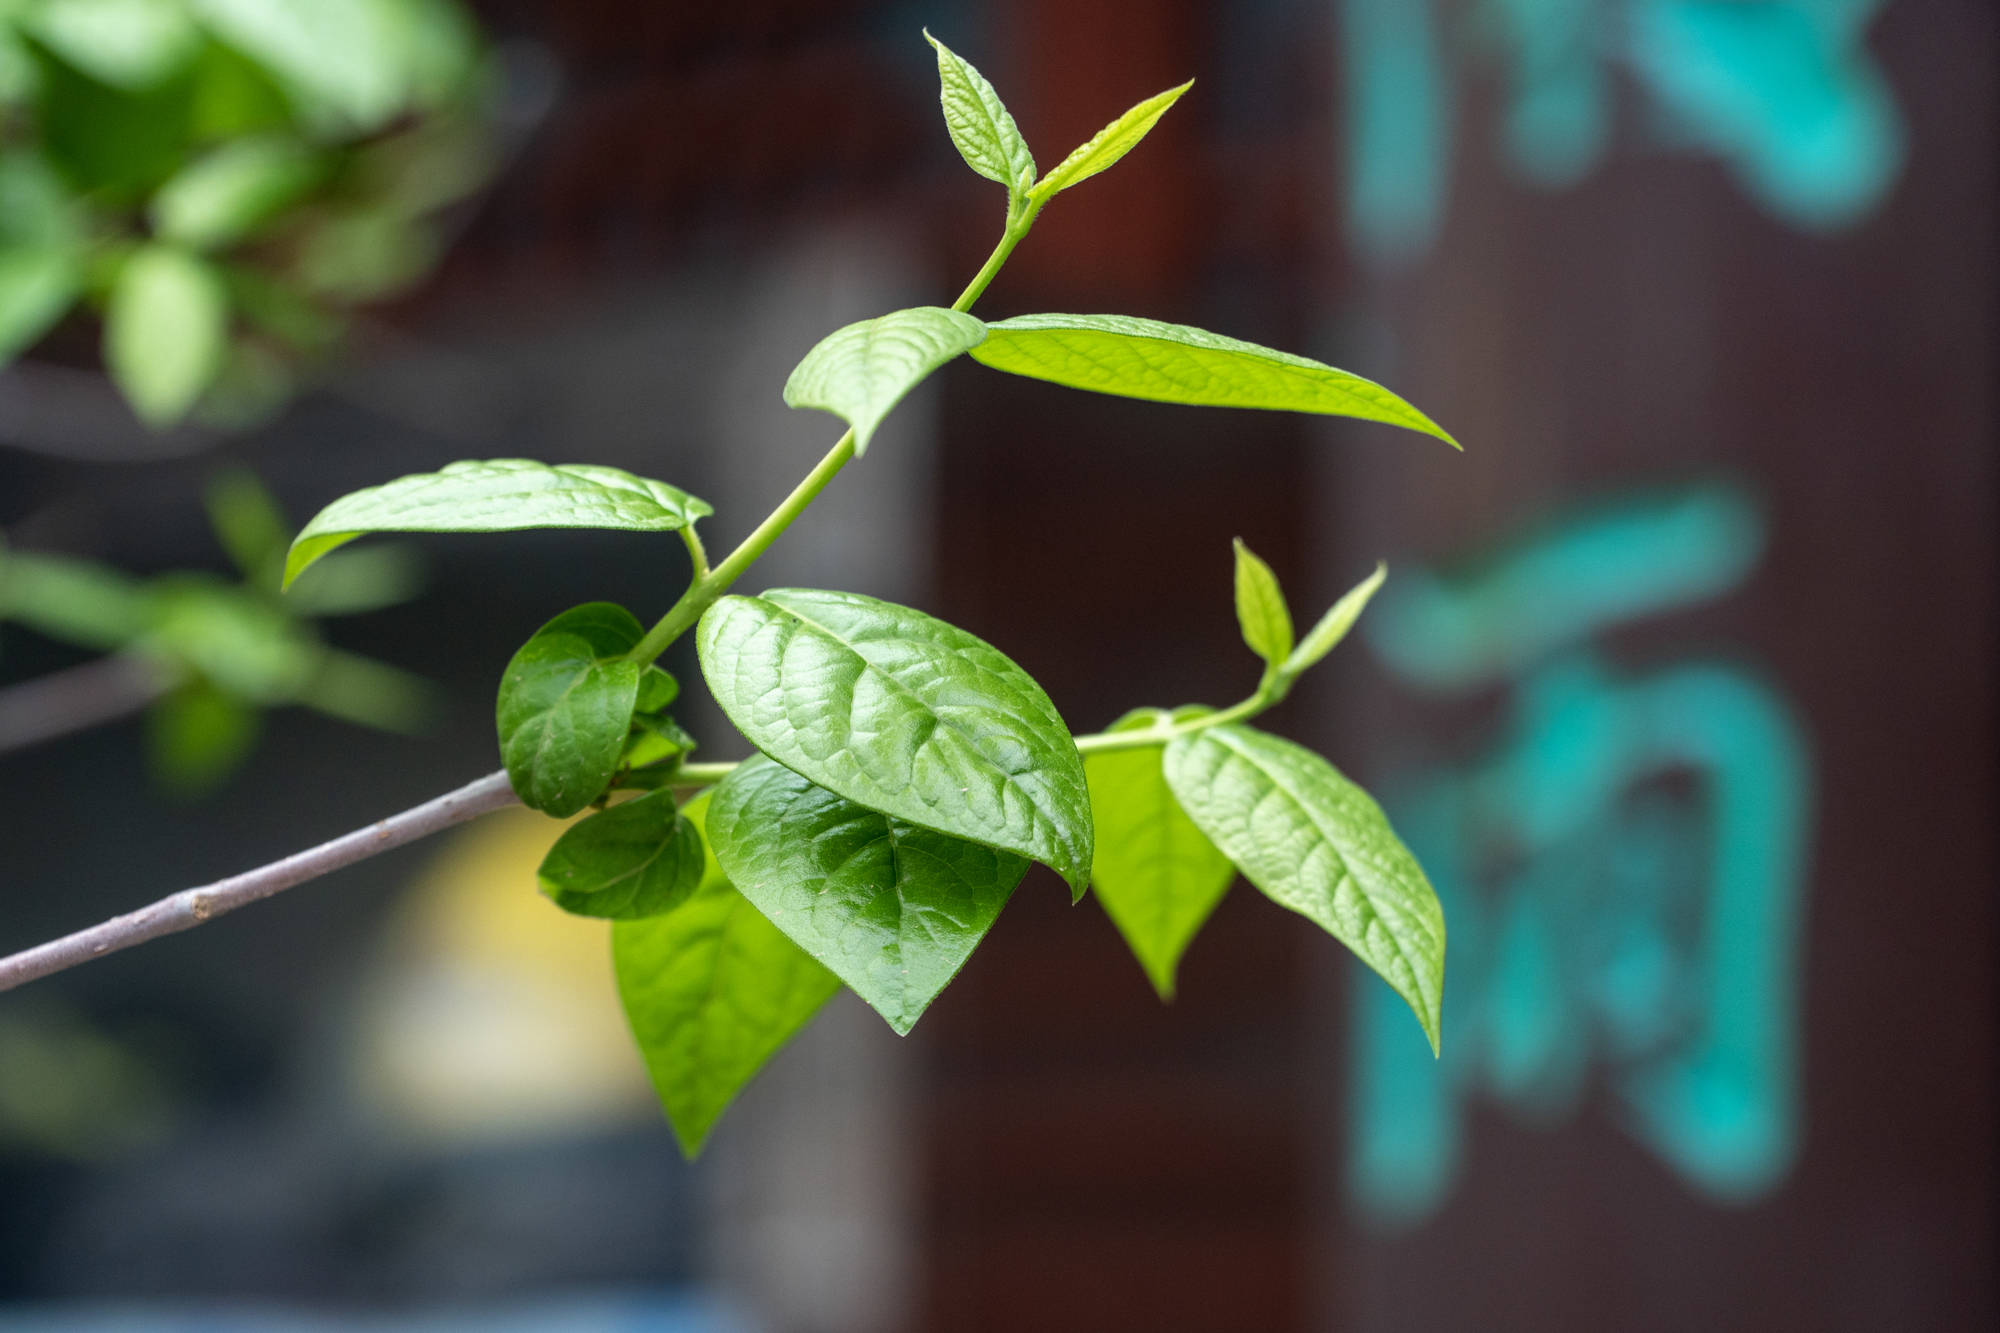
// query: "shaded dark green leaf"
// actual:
[[566, 705], [892, 908], [634, 860]]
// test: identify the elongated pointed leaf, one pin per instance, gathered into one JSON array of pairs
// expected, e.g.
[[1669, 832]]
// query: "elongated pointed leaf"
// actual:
[[165, 332], [1158, 876], [626, 863], [1316, 843], [1109, 144], [498, 495], [1172, 363], [566, 704], [900, 712], [1333, 626], [1260, 607], [981, 126], [712, 991], [893, 909], [862, 371]]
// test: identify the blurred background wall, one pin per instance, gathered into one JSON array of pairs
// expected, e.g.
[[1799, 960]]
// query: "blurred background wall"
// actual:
[[1681, 687]]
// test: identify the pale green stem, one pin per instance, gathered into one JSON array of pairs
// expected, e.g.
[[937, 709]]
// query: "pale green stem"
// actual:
[[1099, 742]]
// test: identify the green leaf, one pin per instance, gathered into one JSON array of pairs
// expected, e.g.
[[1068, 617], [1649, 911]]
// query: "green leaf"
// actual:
[[631, 861], [248, 522], [38, 284], [654, 740], [232, 637], [1260, 607], [1316, 843], [1109, 144], [980, 124], [165, 332], [657, 690], [197, 735], [860, 372], [223, 196], [892, 908], [900, 712], [347, 65], [500, 495], [1158, 877], [76, 601], [131, 44], [1171, 363], [712, 991], [1333, 626], [566, 704]]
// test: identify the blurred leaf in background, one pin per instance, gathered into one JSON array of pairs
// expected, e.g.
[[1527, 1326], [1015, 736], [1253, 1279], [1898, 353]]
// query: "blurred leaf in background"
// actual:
[[224, 181]]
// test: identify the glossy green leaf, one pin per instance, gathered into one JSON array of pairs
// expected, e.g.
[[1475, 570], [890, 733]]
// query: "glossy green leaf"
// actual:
[[566, 704], [1109, 144], [1171, 363], [1333, 626], [1316, 843], [981, 126], [1156, 874], [1260, 607], [862, 371], [631, 861], [900, 712], [131, 44], [892, 908], [499, 495], [223, 196], [165, 332], [712, 991], [38, 284]]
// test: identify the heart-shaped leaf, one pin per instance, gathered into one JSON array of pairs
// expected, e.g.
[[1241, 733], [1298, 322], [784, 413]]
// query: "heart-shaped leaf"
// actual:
[[1172, 363], [860, 372], [498, 495], [893, 909], [981, 126], [1109, 144], [1316, 843], [1260, 607], [712, 991], [1157, 875], [902, 713], [631, 861], [566, 704]]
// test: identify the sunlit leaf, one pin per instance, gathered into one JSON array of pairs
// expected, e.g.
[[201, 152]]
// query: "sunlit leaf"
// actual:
[[980, 125], [1333, 626], [1109, 144], [860, 372], [1316, 843], [1260, 607], [712, 991], [1156, 874], [1171, 363]]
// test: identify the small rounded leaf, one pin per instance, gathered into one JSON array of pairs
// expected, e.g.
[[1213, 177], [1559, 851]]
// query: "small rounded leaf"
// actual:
[[165, 331], [566, 704], [631, 861]]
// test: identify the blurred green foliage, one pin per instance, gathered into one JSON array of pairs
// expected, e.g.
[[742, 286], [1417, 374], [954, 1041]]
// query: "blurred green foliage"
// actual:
[[224, 181], [224, 651]]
